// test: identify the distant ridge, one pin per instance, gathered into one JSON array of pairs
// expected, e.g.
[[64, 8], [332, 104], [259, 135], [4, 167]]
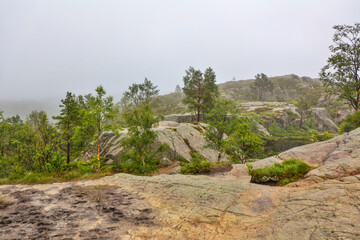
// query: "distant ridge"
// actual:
[[286, 87]]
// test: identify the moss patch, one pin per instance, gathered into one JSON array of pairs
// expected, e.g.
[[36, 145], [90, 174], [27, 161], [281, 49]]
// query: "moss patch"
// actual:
[[279, 174]]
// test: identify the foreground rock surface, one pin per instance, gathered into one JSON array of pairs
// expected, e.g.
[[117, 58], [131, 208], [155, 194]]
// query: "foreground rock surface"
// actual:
[[181, 207]]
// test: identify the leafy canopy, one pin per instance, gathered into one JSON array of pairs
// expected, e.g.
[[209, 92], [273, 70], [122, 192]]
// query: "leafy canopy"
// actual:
[[139, 142], [261, 86], [232, 134], [139, 94], [341, 73], [200, 90]]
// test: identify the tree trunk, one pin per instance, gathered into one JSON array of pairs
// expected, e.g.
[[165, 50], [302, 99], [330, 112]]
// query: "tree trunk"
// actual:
[[357, 106], [68, 152], [357, 101], [143, 160], [198, 115], [98, 148]]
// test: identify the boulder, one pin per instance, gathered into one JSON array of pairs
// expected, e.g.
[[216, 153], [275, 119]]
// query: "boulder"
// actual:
[[180, 118], [323, 119], [261, 129], [182, 138], [343, 113]]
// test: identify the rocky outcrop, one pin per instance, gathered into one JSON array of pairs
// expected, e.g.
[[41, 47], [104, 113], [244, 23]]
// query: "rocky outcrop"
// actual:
[[285, 114], [323, 119], [180, 118], [182, 138], [285, 87], [334, 159]]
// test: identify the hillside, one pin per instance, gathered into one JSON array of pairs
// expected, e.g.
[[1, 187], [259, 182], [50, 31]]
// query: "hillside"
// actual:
[[286, 88]]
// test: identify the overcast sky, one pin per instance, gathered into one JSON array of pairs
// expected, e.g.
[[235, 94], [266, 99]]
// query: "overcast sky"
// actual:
[[48, 47]]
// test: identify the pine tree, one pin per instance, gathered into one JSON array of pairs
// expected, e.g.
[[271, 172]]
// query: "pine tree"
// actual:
[[177, 89], [200, 90], [261, 85], [139, 94], [68, 120]]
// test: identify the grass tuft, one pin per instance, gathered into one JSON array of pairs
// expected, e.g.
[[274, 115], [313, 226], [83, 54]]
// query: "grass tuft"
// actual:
[[281, 174]]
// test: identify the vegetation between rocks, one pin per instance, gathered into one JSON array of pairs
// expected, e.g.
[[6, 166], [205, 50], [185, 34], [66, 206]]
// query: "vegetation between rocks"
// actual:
[[280, 174], [199, 164]]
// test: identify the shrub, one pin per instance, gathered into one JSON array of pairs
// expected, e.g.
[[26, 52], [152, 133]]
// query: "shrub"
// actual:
[[56, 164], [138, 169], [289, 171], [319, 137], [350, 123], [198, 164], [141, 154]]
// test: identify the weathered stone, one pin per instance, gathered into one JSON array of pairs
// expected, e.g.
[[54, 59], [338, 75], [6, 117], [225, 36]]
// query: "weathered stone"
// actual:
[[181, 207], [182, 138], [265, 162], [165, 162], [197, 142], [261, 129], [180, 118], [323, 119]]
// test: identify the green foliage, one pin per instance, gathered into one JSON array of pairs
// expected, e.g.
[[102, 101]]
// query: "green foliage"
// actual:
[[221, 123], [197, 164], [138, 94], [200, 90], [341, 74], [261, 86], [232, 134], [68, 120], [289, 171], [303, 107], [350, 123], [56, 164], [243, 143], [37, 146], [99, 109], [141, 155], [319, 137]]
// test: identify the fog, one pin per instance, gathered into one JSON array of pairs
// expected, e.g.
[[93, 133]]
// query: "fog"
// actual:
[[50, 47]]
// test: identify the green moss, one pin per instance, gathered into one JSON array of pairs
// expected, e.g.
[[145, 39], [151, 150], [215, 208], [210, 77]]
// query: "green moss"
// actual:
[[289, 171]]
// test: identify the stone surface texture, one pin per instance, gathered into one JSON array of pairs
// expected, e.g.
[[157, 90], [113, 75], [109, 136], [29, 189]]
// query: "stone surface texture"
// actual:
[[182, 138]]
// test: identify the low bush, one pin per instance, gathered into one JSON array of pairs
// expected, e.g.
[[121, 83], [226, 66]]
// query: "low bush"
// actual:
[[197, 164], [136, 168], [319, 137], [281, 174], [350, 123]]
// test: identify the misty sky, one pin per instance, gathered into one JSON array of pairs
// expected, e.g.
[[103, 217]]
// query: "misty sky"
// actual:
[[49, 47]]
